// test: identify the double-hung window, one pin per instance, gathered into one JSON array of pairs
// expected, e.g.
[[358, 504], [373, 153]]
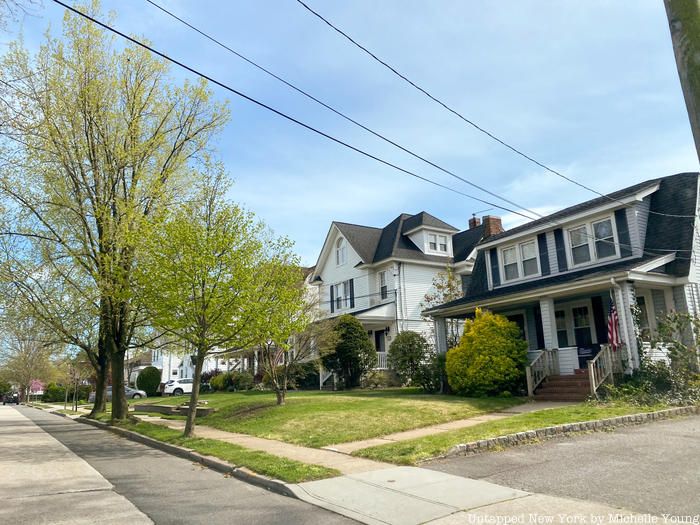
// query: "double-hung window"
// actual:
[[442, 244], [338, 289], [592, 242], [432, 242], [520, 260], [383, 290]]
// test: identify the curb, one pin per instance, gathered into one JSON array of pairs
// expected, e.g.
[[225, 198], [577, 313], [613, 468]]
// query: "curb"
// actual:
[[219, 465], [531, 436]]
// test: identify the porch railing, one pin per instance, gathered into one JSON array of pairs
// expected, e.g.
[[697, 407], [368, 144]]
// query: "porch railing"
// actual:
[[381, 361], [545, 364], [601, 368]]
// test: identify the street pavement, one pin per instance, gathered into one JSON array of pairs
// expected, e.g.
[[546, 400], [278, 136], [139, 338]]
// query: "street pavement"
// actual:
[[652, 468], [41, 481], [169, 490]]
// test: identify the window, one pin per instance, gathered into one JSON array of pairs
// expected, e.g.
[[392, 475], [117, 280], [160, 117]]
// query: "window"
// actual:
[[520, 260], [510, 264], [528, 254], [443, 243], [592, 242], [340, 252], [644, 325], [604, 239], [562, 332], [338, 289], [341, 295], [580, 251], [432, 241], [383, 290]]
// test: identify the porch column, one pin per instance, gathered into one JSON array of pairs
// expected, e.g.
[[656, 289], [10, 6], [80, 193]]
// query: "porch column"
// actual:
[[549, 323], [625, 299], [440, 335]]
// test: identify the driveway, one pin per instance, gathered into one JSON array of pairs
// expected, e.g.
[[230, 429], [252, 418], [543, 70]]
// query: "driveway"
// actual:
[[172, 490], [653, 468]]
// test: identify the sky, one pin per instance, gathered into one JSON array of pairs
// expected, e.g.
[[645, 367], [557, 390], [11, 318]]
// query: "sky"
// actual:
[[588, 88]]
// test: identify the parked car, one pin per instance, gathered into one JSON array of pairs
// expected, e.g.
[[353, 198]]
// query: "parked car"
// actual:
[[131, 393], [10, 398], [177, 387]]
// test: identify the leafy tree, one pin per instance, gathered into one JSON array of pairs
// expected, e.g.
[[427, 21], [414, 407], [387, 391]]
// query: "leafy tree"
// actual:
[[489, 359], [148, 380], [406, 353], [354, 354], [446, 287], [209, 277], [5, 387], [97, 144]]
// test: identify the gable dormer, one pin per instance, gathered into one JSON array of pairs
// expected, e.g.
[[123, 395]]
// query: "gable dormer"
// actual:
[[431, 235]]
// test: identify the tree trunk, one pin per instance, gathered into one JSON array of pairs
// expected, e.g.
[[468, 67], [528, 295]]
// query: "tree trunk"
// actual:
[[101, 377], [120, 408], [281, 394], [194, 397]]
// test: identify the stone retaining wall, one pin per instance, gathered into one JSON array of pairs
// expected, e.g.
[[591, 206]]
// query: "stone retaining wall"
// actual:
[[531, 436]]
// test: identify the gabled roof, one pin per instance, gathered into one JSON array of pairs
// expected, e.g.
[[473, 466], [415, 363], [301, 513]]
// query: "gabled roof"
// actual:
[[374, 245], [463, 243], [577, 208]]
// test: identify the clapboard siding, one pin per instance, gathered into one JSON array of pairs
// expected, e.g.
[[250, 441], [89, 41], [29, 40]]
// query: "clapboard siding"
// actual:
[[552, 251], [416, 282]]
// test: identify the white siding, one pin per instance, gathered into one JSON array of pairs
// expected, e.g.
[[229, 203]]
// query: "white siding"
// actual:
[[416, 282], [637, 218], [552, 253]]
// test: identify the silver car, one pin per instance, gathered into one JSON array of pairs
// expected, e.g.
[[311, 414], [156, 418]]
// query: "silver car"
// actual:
[[131, 393]]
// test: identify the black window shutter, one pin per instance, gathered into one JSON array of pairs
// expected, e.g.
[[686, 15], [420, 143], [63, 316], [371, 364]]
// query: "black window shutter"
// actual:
[[601, 326], [623, 232], [539, 333], [495, 274], [352, 293], [561, 250], [544, 254], [332, 298]]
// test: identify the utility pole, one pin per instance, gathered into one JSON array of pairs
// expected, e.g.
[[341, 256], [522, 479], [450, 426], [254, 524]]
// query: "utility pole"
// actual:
[[684, 23]]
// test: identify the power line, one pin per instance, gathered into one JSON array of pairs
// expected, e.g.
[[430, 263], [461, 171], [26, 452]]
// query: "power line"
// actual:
[[307, 126], [280, 113], [337, 111], [465, 119]]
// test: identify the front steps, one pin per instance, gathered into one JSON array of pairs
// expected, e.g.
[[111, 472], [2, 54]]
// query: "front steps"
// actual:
[[576, 387]]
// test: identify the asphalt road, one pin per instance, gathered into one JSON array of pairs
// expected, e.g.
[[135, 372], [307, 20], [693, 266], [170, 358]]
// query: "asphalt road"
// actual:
[[172, 490], [653, 468]]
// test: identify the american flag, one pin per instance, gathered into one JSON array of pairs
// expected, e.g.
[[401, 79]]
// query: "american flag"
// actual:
[[613, 328]]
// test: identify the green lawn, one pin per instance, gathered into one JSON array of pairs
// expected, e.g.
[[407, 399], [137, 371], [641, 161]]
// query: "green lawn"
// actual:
[[317, 419], [261, 462], [415, 450]]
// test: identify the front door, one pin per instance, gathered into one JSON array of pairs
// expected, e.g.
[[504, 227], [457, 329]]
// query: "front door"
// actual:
[[379, 343]]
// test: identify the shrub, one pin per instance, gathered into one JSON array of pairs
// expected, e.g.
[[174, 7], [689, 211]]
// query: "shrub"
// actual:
[[54, 393], [406, 353], [207, 376], [489, 359], [218, 382], [430, 375], [354, 354], [241, 381], [148, 380], [381, 379], [299, 376]]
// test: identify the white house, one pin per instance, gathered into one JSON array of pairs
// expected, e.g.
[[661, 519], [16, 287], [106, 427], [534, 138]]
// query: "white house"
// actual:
[[382, 275]]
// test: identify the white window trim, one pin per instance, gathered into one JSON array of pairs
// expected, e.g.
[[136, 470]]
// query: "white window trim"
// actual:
[[591, 242], [342, 250], [437, 251], [569, 318], [519, 262], [339, 287]]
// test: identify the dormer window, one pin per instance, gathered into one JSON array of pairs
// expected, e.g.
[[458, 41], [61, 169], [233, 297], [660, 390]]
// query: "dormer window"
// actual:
[[442, 241], [432, 242], [520, 260], [340, 252], [592, 242], [437, 243]]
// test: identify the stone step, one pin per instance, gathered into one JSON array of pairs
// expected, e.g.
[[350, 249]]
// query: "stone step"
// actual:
[[561, 397]]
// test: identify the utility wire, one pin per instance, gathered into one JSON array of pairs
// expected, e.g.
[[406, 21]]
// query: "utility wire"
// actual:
[[304, 125], [280, 113], [465, 119], [338, 112]]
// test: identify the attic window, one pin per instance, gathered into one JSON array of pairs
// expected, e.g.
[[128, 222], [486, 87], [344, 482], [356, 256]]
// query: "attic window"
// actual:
[[443, 243], [340, 252], [432, 242]]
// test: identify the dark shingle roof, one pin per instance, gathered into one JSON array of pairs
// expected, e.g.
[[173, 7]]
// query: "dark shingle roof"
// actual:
[[464, 242], [577, 208], [377, 244]]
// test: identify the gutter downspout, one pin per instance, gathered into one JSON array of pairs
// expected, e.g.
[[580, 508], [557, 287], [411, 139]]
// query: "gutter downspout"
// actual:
[[620, 301]]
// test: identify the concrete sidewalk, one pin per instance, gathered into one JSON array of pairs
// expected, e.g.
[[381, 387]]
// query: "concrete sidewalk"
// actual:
[[531, 406], [412, 496], [44, 482]]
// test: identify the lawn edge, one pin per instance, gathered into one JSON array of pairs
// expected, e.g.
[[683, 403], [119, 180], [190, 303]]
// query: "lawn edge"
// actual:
[[551, 432], [241, 473]]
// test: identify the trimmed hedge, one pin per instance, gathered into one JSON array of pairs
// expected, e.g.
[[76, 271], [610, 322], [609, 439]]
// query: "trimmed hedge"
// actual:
[[148, 380]]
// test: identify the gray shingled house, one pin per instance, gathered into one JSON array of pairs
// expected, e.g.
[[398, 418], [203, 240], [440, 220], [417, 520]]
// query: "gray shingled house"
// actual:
[[556, 277]]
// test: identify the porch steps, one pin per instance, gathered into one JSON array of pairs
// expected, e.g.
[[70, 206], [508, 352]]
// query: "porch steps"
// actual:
[[575, 387]]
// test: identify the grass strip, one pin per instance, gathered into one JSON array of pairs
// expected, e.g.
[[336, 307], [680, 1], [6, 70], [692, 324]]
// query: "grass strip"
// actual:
[[260, 462], [415, 450]]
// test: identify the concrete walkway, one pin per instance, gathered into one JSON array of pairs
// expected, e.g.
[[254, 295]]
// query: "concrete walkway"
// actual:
[[341, 462], [531, 406], [44, 482]]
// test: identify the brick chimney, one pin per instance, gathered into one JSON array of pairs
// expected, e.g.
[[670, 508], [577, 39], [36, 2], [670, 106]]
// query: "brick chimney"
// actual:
[[474, 222], [492, 225]]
